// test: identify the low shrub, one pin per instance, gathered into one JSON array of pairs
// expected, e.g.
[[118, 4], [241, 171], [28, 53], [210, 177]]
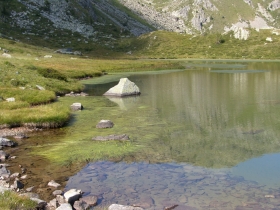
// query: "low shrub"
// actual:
[[51, 73]]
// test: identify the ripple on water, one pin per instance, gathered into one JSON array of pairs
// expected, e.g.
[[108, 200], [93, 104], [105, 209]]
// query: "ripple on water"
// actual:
[[156, 186]]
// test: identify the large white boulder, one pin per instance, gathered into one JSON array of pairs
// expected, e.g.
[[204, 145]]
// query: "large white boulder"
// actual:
[[124, 88]]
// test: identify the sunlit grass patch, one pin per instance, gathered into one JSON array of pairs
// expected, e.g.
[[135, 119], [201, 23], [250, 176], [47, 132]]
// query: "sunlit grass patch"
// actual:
[[33, 97], [11, 200], [51, 115]]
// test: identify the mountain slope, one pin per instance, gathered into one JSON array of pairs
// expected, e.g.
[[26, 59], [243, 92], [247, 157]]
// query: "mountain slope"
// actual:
[[198, 16]]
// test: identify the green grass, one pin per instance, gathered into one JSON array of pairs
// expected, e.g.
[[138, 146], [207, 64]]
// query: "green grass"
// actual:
[[12, 201], [27, 68]]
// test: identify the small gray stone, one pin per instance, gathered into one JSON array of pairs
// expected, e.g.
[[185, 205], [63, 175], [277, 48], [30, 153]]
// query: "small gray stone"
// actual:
[[60, 199], [65, 206], [57, 192], [122, 207], [6, 142], [14, 175], [29, 189], [76, 106], [90, 200], [12, 99], [120, 137], [80, 205], [53, 203], [105, 124], [52, 183], [3, 155]]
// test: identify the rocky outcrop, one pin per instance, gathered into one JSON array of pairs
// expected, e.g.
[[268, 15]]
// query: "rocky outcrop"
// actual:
[[124, 88]]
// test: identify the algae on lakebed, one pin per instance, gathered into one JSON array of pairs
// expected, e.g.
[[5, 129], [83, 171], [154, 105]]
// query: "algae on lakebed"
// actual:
[[76, 144]]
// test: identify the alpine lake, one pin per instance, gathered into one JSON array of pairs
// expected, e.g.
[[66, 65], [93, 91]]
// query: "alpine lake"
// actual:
[[206, 137]]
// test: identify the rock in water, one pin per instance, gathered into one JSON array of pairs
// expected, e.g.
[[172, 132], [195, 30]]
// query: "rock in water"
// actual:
[[105, 124], [122, 207], [119, 137], [124, 88]]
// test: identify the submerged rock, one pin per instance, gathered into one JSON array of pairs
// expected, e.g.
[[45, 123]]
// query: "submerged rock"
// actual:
[[124, 88], [120, 137], [105, 124], [122, 207], [52, 183]]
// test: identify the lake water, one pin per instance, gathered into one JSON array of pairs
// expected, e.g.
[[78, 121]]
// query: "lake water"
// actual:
[[211, 139]]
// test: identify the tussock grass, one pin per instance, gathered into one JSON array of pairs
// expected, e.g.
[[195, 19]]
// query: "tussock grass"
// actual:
[[12, 201], [46, 116], [32, 97]]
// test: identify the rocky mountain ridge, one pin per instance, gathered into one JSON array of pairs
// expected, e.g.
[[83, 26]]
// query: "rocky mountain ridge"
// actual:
[[116, 18]]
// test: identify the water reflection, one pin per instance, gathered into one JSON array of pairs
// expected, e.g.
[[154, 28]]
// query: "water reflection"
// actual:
[[199, 120]]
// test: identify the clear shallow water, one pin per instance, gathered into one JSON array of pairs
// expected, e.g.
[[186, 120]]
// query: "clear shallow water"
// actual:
[[218, 146]]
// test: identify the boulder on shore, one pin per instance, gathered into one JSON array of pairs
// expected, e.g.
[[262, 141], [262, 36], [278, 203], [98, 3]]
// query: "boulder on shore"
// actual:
[[124, 88]]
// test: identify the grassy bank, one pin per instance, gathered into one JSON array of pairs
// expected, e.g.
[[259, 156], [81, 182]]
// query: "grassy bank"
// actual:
[[35, 82], [11, 200]]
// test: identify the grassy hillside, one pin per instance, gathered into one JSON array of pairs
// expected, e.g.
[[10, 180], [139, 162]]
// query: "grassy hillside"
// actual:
[[162, 44]]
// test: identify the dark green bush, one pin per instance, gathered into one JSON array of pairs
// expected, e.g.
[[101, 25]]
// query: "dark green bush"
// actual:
[[51, 73]]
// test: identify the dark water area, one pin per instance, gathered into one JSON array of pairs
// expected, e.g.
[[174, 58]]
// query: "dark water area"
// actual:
[[216, 144]]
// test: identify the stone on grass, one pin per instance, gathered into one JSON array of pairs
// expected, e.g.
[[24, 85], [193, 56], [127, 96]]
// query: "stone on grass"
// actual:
[[120, 137], [48, 56], [6, 55], [12, 99], [122, 207], [76, 106], [40, 87], [105, 124], [124, 88]]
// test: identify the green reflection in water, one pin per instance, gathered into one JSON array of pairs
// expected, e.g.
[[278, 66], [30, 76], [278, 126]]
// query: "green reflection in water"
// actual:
[[199, 117]]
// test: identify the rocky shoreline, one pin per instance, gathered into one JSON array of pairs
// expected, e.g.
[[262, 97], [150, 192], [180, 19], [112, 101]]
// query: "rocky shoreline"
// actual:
[[58, 199]]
